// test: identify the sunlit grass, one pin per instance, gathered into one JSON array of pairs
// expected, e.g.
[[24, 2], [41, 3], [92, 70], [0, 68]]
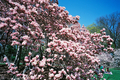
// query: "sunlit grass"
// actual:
[[115, 74]]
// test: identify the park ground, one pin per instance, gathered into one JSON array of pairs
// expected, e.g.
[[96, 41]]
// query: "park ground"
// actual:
[[115, 74]]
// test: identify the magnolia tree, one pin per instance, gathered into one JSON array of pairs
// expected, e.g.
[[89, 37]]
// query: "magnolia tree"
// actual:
[[70, 53]]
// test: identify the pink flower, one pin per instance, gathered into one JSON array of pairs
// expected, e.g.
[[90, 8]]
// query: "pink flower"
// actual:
[[42, 70], [103, 29], [33, 77], [51, 75], [8, 71], [91, 71], [64, 72], [5, 59], [34, 63], [68, 77], [15, 27], [57, 76], [27, 64], [49, 59], [18, 75], [22, 7], [51, 70], [14, 37], [15, 43], [42, 63], [26, 60], [35, 24], [37, 56], [24, 42], [29, 53], [48, 50], [3, 25], [38, 69], [69, 67], [13, 21], [37, 5], [26, 37], [73, 77], [26, 57], [54, 72], [14, 33], [77, 68], [77, 17]]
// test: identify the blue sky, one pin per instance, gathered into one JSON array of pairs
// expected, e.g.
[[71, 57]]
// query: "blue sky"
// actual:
[[90, 10]]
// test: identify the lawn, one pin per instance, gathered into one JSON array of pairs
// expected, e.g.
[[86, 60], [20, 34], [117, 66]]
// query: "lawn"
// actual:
[[114, 76]]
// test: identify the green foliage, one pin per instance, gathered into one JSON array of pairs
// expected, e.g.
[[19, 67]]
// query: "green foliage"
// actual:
[[93, 28], [11, 52], [113, 46]]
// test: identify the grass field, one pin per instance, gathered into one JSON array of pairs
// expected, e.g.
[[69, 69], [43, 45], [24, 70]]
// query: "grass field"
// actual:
[[115, 74]]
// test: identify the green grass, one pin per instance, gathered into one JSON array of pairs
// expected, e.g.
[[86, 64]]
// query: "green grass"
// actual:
[[115, 74]]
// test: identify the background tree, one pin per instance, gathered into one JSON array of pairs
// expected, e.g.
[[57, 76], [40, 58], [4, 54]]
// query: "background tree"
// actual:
[[111, 23]]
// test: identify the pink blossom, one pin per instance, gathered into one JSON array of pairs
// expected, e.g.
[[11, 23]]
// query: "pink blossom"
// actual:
[[14, 37], [103, 29], [77, 68], [33, 77], [37, 5], [15, 27], [91, 71], [64, 72], [15, 43], [26, 37], [3, 25], [34, 63], [77, 17], [49, 59], [38, 69], [14, 33], [5, 59], [37, 56], [13, 21], [42, 63], [51, 75], [34, 10], [48, 50], [29, 53], [24, 42], [35, 24], [54, 72], [73, 77], [55, 55], [26, 60], [8, 71], [27, 64], [18, 75], [5, 19], [51, 70], [68, 77], [57, 76], [42, 70], [69, 67]]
